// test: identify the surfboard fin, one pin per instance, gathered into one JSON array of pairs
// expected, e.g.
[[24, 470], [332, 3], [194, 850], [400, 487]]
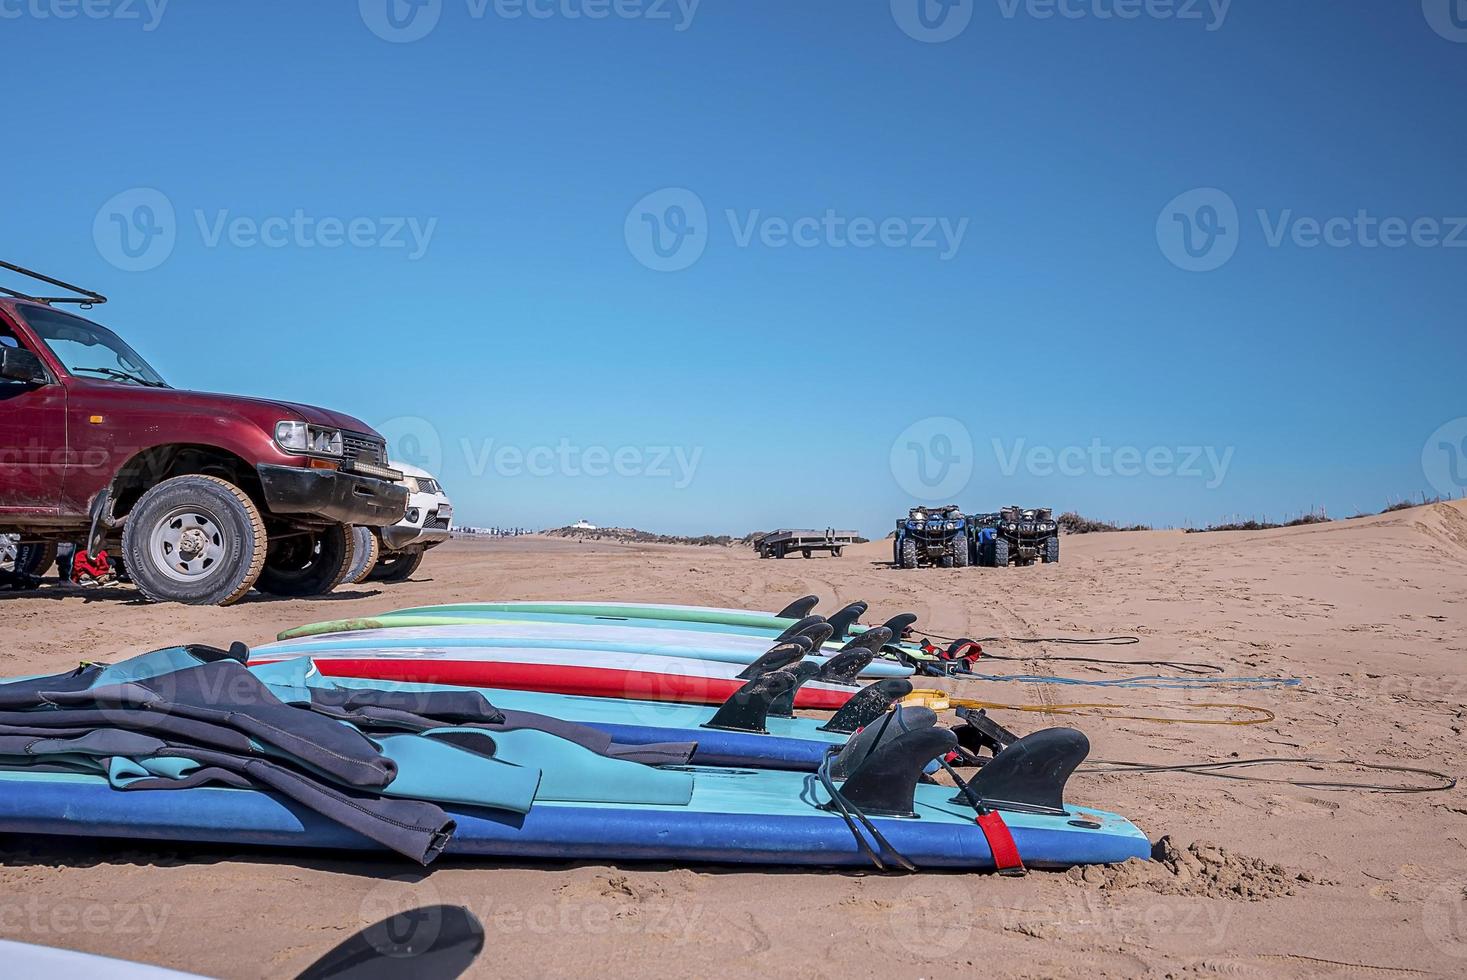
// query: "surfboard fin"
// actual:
[[795, 629], [1029, 776], [748, 709], [846, 618], [784, 705], [900, 624], [870, 739], [885, 783], [873, 639], [844, 667], [779, 656], [817, 634], [867, 705], [800, 608]]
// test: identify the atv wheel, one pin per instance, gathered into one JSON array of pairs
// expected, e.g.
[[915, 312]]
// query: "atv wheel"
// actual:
[[194, 539], [909, 553], [946, 559], [1051, 550], [308, 563], [397, 566], [368, 551], [960, 552], [998, 553]]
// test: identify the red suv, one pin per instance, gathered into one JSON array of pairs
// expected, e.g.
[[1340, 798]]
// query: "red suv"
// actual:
[[207, 495]]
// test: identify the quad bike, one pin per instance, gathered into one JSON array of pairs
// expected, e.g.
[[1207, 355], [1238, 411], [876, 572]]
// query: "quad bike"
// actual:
[[931, 537], [1015, 536]]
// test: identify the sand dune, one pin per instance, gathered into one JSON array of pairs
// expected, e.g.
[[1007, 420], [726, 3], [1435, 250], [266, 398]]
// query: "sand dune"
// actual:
[[1262, 879]]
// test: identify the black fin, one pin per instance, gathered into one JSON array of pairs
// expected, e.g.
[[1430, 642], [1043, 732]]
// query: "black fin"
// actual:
[[237, 651], [844, 667], [784, 705], [800, 608], [871, 738], [846, 618], [776, 657], [868, 704], [1029, 776], [748, 709], [900, 624], [817, 634], [873, 639], [885, 784], [797, 628]]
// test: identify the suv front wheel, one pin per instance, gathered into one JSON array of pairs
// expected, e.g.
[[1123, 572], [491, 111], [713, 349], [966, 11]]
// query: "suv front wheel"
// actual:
[[194, 539], [308, 563]]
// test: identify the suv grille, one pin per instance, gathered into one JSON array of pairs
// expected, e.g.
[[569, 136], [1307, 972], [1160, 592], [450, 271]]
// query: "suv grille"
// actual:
[[368, 449]]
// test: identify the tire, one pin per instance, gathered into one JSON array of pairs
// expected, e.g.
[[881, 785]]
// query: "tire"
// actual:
[[805, 552], [909, 553], [896, 551], [960, 552], [26, 560], [310, 563], [999, 553], [1051, 551], [367, 552], [398, 566], [200, 516], [946, 559]]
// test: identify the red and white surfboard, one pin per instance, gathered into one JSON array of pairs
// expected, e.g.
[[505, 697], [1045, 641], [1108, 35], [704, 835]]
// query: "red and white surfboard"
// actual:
[[588, 673]]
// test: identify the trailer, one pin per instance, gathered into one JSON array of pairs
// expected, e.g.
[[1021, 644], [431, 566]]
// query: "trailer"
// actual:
[[777, 544]]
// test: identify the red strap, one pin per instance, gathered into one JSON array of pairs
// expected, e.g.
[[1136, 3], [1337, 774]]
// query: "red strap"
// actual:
[[969, 650], [1006, 860]]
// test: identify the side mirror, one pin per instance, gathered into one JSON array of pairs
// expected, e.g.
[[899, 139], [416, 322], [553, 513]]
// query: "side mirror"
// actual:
[[21, 365]]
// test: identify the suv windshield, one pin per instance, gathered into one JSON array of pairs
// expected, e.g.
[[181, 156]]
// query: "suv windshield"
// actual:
[[89, 350]]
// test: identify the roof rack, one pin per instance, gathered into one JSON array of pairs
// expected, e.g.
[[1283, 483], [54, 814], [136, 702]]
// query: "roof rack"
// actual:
[[85, 298]]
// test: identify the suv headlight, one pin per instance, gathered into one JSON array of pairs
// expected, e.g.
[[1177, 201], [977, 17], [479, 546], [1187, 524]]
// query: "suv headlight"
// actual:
[[300, 437]]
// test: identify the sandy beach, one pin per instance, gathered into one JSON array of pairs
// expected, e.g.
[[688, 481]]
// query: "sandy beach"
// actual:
[[1264, 879]]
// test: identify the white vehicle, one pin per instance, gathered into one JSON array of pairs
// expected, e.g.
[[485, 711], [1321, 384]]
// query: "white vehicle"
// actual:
[[400, 551]]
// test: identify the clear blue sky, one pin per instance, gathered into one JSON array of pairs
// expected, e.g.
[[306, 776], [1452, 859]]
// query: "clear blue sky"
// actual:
[[786, 373]]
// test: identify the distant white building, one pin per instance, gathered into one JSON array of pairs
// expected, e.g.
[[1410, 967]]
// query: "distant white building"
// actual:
[[584, 525]]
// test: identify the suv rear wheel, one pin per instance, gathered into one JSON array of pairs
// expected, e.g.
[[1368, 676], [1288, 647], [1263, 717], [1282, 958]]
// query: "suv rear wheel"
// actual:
[[308, 562], [398, 566], [194, 539]]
